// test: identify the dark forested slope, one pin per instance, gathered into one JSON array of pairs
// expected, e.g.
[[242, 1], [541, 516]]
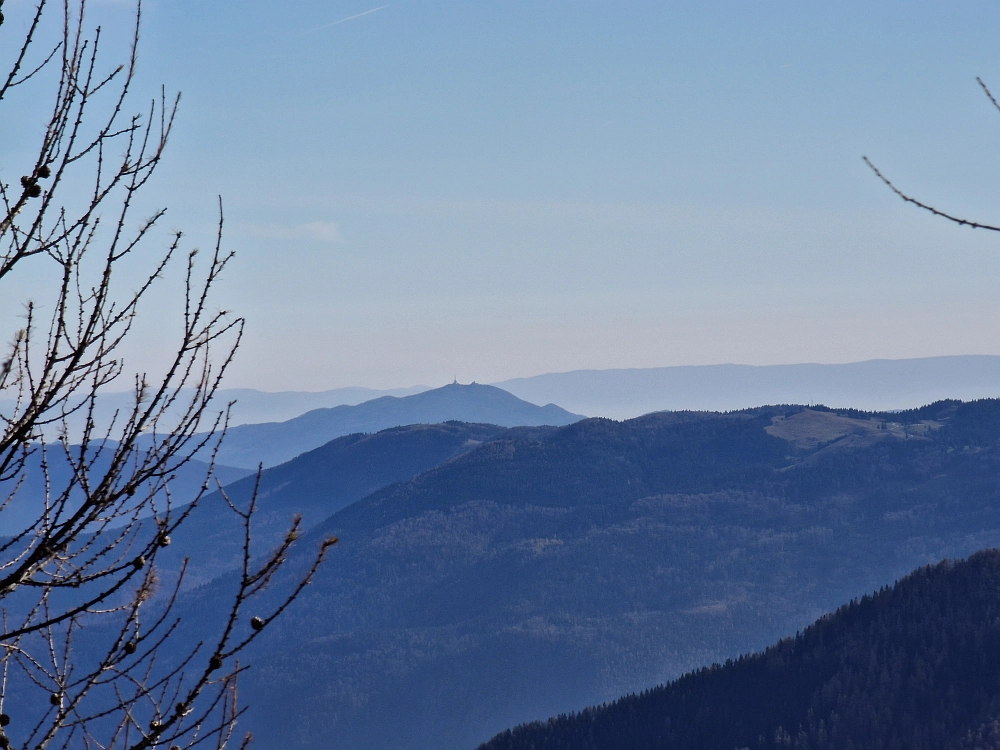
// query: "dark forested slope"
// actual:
[[916, 666]]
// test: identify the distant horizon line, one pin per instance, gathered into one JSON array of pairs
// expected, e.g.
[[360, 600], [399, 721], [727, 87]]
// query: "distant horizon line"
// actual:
[[498, 383]]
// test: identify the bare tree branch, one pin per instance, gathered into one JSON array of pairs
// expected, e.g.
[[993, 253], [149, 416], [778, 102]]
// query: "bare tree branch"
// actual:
[[988, 93], [926, 207], [91, 648]]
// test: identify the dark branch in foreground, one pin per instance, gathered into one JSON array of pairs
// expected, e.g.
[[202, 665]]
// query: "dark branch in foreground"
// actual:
[[91, 654], [931, 209], [988, 93], [918, 204]]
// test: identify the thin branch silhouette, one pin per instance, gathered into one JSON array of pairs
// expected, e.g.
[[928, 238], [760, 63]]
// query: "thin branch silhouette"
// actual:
[[927, 207], [92, 651]]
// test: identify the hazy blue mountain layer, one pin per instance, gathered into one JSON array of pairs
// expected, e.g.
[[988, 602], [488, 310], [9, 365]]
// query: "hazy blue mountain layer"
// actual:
[[553, 568], [916, 666], [249, 406], [25, 493], [876, 384], [627, 393], [253, 406], [277, 442], [313, 485]]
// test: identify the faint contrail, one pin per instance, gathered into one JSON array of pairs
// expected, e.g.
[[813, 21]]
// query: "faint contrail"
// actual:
[[349, 18]]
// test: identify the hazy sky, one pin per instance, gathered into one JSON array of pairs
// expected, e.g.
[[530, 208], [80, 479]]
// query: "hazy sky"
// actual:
[[498, 189]]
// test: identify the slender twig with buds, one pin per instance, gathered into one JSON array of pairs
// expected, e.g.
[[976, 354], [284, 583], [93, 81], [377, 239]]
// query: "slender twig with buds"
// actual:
[[927, 206]]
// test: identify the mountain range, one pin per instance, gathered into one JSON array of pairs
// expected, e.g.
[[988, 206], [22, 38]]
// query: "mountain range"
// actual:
[[550, 568], [274, 443], [24, 495], [880, 384], [249, 406]]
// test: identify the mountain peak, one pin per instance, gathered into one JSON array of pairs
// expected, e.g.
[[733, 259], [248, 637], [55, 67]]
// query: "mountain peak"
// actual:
[[276, 442]]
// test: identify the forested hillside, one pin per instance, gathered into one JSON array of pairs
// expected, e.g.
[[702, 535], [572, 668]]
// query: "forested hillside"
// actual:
[[313, 486], [549, 569], [916, 666]]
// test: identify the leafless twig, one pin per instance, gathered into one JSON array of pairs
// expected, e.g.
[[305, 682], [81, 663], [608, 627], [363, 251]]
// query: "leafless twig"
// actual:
[[89, 649], [927, 207]]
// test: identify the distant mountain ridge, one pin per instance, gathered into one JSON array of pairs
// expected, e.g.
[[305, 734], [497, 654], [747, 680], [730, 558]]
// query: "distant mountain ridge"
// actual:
[[254, 406], [874, 385], [916, 666], [250, 406], [276, 442]]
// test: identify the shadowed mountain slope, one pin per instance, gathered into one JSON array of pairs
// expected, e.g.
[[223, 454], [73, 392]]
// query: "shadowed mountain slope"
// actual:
[[24, 494], [916, 666], [553, 568], [314, 485], [276, 442]]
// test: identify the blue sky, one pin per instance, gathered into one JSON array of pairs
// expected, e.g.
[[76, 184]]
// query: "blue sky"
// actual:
[[498, 189]]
